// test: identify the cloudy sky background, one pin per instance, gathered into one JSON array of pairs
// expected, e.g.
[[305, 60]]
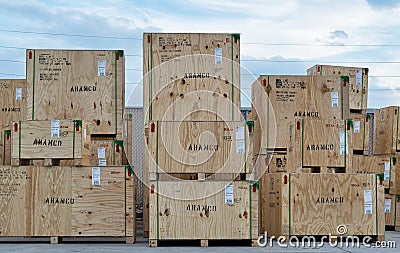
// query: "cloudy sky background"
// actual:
[[277, 37]]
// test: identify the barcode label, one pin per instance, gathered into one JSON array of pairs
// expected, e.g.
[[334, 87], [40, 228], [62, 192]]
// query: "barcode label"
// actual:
[[95, 176], [229, 195], [55, 128]]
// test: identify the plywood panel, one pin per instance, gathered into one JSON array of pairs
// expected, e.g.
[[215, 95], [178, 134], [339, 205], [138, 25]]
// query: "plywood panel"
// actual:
[[201, 147], [390, 209], [12, 101], [386, 131], [278, 100], [323, 143], [361, 132], [191, 72], [182, 209], [316, 204], [5, 147], [358, 78], [77, 84]]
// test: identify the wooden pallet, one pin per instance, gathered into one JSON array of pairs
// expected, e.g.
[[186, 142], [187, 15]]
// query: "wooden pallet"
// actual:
[[200, 176], [203, 243], [68, 239]]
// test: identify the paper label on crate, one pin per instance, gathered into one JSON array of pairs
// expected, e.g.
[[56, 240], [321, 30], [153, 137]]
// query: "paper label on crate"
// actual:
[[388, 204], [357, 126], [55, 128], [240, 133], [101, 67], [218, 56], [101, 152], [102, 162], [229, 194], [95, 176], [386, 173], [240, 144], [359, 76], [367, 201], [18, 93], [344, 147], [84, 134], [335, 98]]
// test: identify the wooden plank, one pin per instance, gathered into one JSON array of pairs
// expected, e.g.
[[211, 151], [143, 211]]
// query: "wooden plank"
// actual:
[[323, 143], [358, 78], [278, 100], [386, 131], [191, 76], [397, 213], [77, 84], [128, 134], [316, 204], [63, 201], [201, 204], [12, 102], [200, 147], [361, 132], [5, 147]]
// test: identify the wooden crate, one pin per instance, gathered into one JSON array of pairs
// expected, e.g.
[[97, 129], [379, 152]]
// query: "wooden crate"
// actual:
[[358, 82], [390, 210], [323, 143], [200, 147], [316, 204], [12, 101], [67, 201], [191, 76], [361, 133], [72, 143], [128, 134], [180, 210], [5, 147], [278, 100], [386, 131], [77, 84]]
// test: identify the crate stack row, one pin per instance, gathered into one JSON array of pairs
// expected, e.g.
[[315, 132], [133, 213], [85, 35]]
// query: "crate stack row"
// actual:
[[384, 160], [64, 171], [307, 130], [198, 148]]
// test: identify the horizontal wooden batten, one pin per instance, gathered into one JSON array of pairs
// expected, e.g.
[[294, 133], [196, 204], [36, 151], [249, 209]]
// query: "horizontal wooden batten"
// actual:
[[77, 84], [67, 201]]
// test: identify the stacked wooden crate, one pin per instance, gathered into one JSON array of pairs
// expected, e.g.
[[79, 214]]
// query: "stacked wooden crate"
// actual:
[[68, 172], [196, 167], [315, 124], [386, 146]]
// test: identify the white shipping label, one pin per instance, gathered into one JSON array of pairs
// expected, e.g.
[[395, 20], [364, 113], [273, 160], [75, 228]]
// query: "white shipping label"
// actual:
[[386, 173], [240, 133], [367, 201], [102, 162], [101, 67], [357, 125], [55, 128], [344, 147], [218, 56], [359, 76], [229, 194], [18, 93], [240, 146], [335, 98], [101, 153], [95, 176], [388, 204], [84, 134]]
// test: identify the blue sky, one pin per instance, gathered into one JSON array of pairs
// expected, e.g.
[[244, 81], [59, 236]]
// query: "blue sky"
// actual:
[[287, 36]]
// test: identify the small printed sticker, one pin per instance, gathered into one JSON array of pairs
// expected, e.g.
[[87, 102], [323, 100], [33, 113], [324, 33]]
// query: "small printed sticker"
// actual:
[[101, 67], [55, 128], [386, 175], [18, 94], [388, 204], [101, 153], [240, 144], [229, 194], [218, 56], [367, 201], [102, 162], [357, 126], [84, 134], [95, 176], [335, 98], [359, 75], [344, 147]]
